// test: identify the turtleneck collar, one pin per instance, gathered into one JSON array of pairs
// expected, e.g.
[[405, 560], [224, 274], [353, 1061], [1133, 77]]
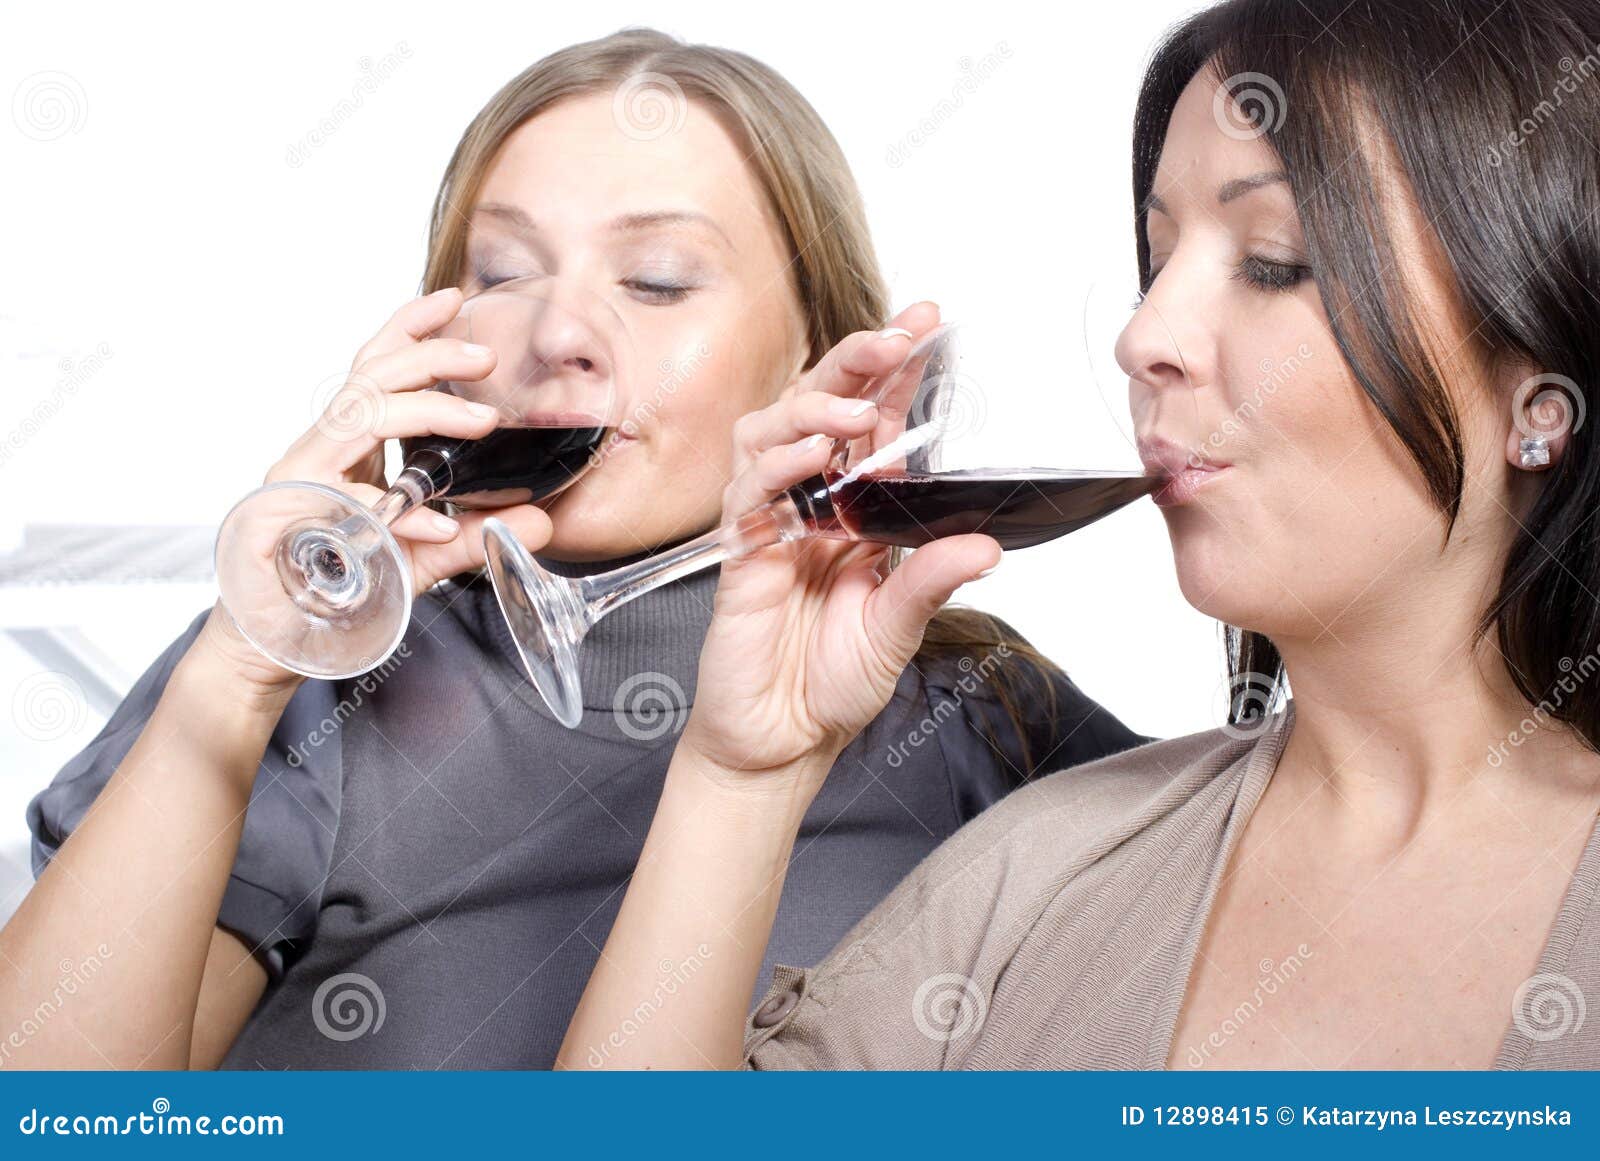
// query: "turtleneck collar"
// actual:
[[638, 664]]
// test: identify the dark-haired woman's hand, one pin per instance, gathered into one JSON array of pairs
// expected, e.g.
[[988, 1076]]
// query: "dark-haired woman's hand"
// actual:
[[385, 397], [809, 638]]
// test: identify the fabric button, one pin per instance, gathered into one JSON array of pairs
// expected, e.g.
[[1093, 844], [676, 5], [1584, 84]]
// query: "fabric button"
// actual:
[[775, 1009]]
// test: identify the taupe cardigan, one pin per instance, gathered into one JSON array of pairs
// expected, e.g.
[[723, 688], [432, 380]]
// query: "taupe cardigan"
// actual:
[[1058, 928]]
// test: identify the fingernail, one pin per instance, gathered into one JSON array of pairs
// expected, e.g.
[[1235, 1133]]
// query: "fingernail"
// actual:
[[476, 350], [481, 410], [850, 408], [893, 332], [443, 523], [444, 291], [809, 443], [986, 571]]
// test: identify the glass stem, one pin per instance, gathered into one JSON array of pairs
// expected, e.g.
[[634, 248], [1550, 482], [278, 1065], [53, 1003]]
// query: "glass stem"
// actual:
[[776, 522], [414, 486]]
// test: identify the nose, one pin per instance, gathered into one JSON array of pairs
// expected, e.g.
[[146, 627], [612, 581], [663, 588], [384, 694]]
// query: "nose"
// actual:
[[575, 357], [567, 336], [1168, 353], [1150, 351]]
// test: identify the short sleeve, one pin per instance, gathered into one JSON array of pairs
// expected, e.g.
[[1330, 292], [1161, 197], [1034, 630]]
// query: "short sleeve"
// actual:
[[1020, 720], [274, 892]]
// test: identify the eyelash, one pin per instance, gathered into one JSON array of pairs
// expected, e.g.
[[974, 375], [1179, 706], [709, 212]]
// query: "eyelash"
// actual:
[[1262, 273], [1265, 274], [664, 293]]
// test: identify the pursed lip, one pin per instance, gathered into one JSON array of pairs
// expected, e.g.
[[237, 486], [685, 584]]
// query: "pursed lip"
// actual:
[[1186, 471]]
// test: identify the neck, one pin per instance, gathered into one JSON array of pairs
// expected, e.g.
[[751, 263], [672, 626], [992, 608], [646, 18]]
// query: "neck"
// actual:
[[1409, 706]]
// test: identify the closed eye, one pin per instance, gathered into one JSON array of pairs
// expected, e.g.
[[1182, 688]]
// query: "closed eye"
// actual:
[[1268, 275], [663, 293]]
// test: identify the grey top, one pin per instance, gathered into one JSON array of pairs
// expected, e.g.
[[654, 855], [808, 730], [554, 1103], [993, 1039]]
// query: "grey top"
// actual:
[[1058, 930], [430, 862]]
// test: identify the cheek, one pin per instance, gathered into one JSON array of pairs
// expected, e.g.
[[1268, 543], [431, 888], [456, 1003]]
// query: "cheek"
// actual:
[[1325, 515]]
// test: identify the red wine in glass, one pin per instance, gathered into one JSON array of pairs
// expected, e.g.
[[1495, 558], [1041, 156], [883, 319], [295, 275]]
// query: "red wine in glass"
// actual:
[[1018, 507], [886, 487], [510, 465], [316, 580]]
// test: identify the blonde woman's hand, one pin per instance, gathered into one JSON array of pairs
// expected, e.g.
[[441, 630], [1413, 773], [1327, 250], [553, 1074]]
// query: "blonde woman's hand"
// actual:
[[385, 397], [809, 638]]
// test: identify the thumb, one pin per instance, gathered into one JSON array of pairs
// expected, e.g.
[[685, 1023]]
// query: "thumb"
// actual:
[[899, 609]]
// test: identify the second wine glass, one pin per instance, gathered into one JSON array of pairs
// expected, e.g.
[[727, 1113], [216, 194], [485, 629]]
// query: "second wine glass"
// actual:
[[891, 487]]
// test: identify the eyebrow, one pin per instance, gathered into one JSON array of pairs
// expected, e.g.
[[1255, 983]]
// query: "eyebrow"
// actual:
[[633, 223], [1226, 192]]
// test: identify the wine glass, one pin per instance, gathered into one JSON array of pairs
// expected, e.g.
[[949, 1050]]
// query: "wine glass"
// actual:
[[919, 475], [317, 582]]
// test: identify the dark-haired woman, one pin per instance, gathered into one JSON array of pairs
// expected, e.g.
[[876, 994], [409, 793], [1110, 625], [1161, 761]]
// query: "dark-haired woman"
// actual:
[[280, 871], [1399, 867]]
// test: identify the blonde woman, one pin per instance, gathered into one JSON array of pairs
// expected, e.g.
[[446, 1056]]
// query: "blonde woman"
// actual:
[[280, 870]]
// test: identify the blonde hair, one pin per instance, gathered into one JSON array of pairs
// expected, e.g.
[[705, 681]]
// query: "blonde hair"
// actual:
[[793, 157], [798, 165]]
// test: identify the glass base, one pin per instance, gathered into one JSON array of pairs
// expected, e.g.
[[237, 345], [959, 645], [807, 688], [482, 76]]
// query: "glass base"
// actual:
[[546, 617], [313, 579]]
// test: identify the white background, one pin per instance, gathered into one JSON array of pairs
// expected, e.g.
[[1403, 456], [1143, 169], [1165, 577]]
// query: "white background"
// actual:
[[168, 224]]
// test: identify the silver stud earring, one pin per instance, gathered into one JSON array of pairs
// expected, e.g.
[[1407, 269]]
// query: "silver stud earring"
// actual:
[[1535, 451]]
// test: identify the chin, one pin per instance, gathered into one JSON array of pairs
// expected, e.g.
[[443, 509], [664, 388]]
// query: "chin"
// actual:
[[1210, 573], [590, 531], [608, 514]]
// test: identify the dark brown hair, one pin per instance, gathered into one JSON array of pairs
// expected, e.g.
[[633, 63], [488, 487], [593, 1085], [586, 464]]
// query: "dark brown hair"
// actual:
[[1491, 109]]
